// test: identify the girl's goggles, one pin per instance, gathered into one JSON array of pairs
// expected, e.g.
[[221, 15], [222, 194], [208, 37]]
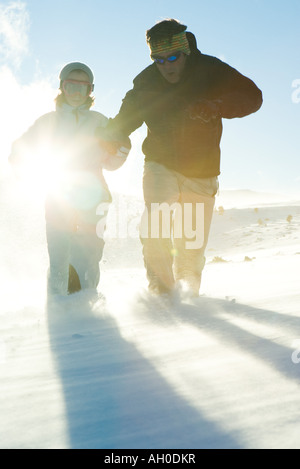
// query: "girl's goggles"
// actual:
[[72, 87]]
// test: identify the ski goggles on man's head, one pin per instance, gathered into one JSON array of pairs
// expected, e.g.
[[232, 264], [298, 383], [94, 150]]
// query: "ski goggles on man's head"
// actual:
[[171, 58], [71, 87]]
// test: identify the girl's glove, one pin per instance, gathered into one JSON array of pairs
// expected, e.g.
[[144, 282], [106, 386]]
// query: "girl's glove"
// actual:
[[115, 145]]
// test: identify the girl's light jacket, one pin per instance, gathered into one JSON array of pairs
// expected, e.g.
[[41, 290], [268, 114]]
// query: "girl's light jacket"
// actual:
[[62, 144]]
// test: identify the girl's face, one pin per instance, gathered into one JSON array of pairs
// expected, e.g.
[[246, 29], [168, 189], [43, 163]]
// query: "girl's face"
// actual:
[[75, 98]]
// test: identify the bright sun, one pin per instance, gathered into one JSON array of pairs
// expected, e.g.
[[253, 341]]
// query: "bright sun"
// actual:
[[48, 174], [40, 174]]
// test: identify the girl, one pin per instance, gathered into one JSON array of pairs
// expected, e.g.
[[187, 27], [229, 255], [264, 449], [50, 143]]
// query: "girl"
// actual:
[[63, 144]]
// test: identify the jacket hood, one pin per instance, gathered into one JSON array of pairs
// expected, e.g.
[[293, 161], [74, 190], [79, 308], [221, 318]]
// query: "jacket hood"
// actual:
[[192, 43]]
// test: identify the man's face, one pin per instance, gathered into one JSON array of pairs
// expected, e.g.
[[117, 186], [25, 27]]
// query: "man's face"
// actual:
[[172, 71]]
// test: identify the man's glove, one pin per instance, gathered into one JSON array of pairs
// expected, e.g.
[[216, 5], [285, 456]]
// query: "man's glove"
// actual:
[[114, 144], [204, 110]]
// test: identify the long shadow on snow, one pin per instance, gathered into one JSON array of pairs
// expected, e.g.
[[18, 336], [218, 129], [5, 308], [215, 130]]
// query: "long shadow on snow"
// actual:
[[114, 397], [206, 313]]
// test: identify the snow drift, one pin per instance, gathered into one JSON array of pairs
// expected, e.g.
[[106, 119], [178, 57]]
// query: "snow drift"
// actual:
[[129, 371]]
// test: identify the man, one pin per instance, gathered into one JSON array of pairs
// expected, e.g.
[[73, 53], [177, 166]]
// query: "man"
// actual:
[[182, 97]]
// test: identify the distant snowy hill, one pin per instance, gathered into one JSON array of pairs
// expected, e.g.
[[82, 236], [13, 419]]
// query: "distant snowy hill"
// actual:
[[247, 198]]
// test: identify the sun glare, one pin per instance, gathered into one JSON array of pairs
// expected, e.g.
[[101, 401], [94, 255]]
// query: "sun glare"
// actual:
[[49, 174], [41, 174]]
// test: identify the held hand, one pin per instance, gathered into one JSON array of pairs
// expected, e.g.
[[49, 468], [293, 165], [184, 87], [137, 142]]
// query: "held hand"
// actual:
[[112, 145], [109, 146], [204, 110], [123, 151]]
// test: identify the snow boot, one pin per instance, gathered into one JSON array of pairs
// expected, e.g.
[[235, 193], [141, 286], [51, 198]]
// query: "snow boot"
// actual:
[[74, 282]]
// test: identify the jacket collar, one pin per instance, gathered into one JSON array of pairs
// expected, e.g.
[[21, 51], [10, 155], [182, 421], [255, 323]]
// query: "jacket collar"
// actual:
[[70, 109]]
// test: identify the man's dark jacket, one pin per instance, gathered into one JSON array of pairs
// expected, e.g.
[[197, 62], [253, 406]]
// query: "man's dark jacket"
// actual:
[[174, 139]]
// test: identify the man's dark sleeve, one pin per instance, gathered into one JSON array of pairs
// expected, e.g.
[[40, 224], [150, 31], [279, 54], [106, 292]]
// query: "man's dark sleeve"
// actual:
[[238, 96], [129, 116]]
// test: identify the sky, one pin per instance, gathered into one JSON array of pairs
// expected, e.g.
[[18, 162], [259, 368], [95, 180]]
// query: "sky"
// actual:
[[258, 37]]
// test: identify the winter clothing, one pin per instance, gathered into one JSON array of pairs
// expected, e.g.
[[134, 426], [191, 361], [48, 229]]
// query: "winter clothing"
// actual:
[[179, 42], [188, 146], [67, 136], [67, 69], [182, 195]]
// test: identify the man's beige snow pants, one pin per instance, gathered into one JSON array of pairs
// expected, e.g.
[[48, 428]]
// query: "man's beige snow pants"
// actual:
[[175, 225]]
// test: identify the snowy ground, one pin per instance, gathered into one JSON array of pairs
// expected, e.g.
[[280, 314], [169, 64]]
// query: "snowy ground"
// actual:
[[221, 371]]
